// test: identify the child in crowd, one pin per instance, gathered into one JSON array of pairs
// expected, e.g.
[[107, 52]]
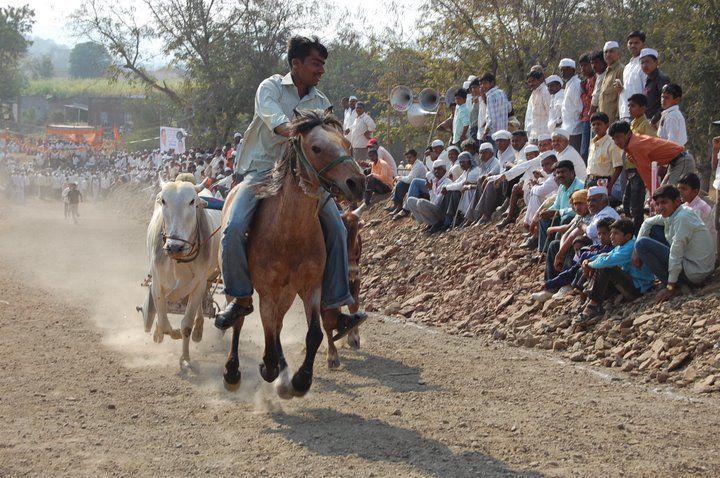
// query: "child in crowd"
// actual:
[[672, 121], [615, 270]]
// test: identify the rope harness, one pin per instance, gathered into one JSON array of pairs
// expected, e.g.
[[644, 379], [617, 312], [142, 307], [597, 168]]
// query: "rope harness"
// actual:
[[195, 246]]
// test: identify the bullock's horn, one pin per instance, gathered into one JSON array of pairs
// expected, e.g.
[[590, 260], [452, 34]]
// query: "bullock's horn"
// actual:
[[200, 187], [359, 210], [161, 182]]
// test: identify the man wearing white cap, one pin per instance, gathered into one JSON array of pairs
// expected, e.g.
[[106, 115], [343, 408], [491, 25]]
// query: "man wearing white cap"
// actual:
[[572, 105], [633, 76], [561, 145], [429, 211], [654, 83], [530, 152], [537, 190], [538, 107], [505, 154], [557, 94], [437, 151], [599, 204], [350, 114], [455, 192], [609, 99]]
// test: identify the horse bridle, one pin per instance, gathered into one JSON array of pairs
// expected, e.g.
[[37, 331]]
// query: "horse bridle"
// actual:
[[324, 182]]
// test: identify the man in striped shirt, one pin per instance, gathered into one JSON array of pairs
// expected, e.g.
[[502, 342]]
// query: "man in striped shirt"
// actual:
[[498, 107]]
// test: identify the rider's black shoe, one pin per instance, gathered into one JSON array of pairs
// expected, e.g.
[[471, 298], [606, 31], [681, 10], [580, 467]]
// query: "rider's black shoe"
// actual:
[[345, 323], [232, 313]]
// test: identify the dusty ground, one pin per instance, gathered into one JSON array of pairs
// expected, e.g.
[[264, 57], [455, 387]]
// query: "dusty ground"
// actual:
[[84, 392]]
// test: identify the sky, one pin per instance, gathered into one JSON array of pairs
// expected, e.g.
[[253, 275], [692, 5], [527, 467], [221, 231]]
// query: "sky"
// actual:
[[51, 17]]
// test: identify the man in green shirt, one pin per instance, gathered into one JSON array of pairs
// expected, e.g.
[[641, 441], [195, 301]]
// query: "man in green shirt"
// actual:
[[686, 253]]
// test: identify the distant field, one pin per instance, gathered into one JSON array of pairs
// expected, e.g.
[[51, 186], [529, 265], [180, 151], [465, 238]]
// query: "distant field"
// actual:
[[60, 88]]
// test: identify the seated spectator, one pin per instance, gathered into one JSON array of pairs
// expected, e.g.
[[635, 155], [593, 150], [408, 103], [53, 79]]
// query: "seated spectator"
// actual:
[[615, 270], [384, 154], [563, 150], [505, 153], [645, 149], [451, 155], [573, 278], [429, 211], [453, 192], [688, 253], [489, 167], [436, 149], [518, 187], [402, 185], [518, 142], [380, 179], [560, 211], [689, 187]]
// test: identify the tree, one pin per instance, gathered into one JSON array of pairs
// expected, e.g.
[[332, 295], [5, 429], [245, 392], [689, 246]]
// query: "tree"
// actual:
[[89, 60], [41, 68], [15, 23], [226, 47]]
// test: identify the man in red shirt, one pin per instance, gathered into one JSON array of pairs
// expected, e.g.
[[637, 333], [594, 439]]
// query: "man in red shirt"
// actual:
[[645, 149]]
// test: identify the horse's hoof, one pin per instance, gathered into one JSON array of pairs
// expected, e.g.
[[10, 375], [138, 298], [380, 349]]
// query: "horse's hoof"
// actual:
[[283, 387], [301, 382], [268, 375], [231, 387], [158, 335], [353, 341], [197, 332], [334, 363]]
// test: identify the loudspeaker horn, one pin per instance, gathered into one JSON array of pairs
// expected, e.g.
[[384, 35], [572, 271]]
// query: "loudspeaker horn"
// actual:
[[416, 115], [429, 99], [450, 95], [401, 97]]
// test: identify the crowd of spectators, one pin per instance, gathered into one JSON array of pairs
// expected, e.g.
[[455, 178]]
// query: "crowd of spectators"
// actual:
[[599, 178]]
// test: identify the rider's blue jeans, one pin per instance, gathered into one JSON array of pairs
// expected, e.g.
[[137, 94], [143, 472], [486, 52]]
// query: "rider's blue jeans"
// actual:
[[335, 286]]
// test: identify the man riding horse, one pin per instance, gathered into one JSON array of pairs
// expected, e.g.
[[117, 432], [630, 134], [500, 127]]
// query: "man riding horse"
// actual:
[[276, 100]]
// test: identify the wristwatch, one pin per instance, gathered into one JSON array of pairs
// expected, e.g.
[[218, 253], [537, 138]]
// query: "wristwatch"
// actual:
[[670, 287]]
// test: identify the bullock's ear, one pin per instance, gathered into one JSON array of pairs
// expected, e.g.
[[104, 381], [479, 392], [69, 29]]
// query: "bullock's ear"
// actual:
[[329, 110], [201, 202], [158, 198]]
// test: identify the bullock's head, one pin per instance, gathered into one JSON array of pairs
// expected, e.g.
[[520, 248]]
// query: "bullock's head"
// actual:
[[179, 201]]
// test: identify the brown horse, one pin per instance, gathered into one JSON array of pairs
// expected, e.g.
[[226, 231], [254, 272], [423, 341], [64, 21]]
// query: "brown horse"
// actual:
[[286, 248]]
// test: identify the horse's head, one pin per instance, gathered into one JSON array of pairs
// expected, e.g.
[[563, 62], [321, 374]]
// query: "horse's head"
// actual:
[[179, 202], [325, 147]]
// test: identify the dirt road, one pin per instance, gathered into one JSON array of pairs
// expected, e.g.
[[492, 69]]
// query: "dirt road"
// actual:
[[84, 392]]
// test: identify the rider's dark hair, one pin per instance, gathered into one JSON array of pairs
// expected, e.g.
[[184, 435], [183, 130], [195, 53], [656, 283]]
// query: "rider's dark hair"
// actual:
[[300, 47]]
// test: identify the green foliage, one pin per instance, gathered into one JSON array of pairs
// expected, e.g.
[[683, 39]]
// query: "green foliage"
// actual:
[[15, 23], [89, 60], [41, 67], [64, 88]]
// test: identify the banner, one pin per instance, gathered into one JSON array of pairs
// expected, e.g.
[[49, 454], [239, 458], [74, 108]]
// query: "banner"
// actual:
[[172, 139]]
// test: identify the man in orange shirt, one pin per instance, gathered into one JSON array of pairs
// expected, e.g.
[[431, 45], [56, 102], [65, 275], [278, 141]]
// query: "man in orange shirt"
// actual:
[[380, 179], [645, 149]]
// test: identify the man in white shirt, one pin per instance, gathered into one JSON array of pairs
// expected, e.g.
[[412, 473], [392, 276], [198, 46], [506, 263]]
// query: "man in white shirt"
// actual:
[[453, 192], [557, 95], [538, 107], [384, 154], [672, 121], [572, 105], [265, 142], [633, 76], [539, 188], [505, 153], [360, 133], [402, 185], [561, 145], [349, 114]]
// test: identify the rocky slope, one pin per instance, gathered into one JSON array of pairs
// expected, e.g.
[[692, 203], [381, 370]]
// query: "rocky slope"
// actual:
[[476, 282]]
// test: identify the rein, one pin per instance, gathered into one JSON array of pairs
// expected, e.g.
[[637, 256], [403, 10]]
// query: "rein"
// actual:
[[324, 183]]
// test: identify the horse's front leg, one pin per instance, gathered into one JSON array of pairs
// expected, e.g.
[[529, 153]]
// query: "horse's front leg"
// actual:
[[302, 380], [231, 373]]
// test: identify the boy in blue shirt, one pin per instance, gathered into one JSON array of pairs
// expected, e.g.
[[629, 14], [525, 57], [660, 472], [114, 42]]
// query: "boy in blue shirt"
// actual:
[[615, 269]]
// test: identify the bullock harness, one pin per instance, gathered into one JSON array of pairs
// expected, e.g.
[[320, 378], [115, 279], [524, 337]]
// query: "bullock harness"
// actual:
[[195, 245]]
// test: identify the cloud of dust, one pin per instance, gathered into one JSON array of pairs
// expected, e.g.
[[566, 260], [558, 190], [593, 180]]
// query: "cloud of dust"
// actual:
[[99, 264]]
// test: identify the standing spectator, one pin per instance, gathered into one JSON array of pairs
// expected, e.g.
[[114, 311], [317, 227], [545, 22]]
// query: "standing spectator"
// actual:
[[498, 107], [349, 114], [557, 94], [587, 85], [605, 161], [654, 83], [645, 149], [597, 60], [380, 179], [538, 107], [461, 118], [672, 121], [476, 107], [360, 132], [572, 105], [686, 253], [633, 76], [611, 86], [634, 195]]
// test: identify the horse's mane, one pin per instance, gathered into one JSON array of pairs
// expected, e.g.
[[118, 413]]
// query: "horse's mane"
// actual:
[[304, 121]]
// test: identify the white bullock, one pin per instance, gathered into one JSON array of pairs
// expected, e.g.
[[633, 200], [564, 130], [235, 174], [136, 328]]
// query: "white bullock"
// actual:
[[183, 240]]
